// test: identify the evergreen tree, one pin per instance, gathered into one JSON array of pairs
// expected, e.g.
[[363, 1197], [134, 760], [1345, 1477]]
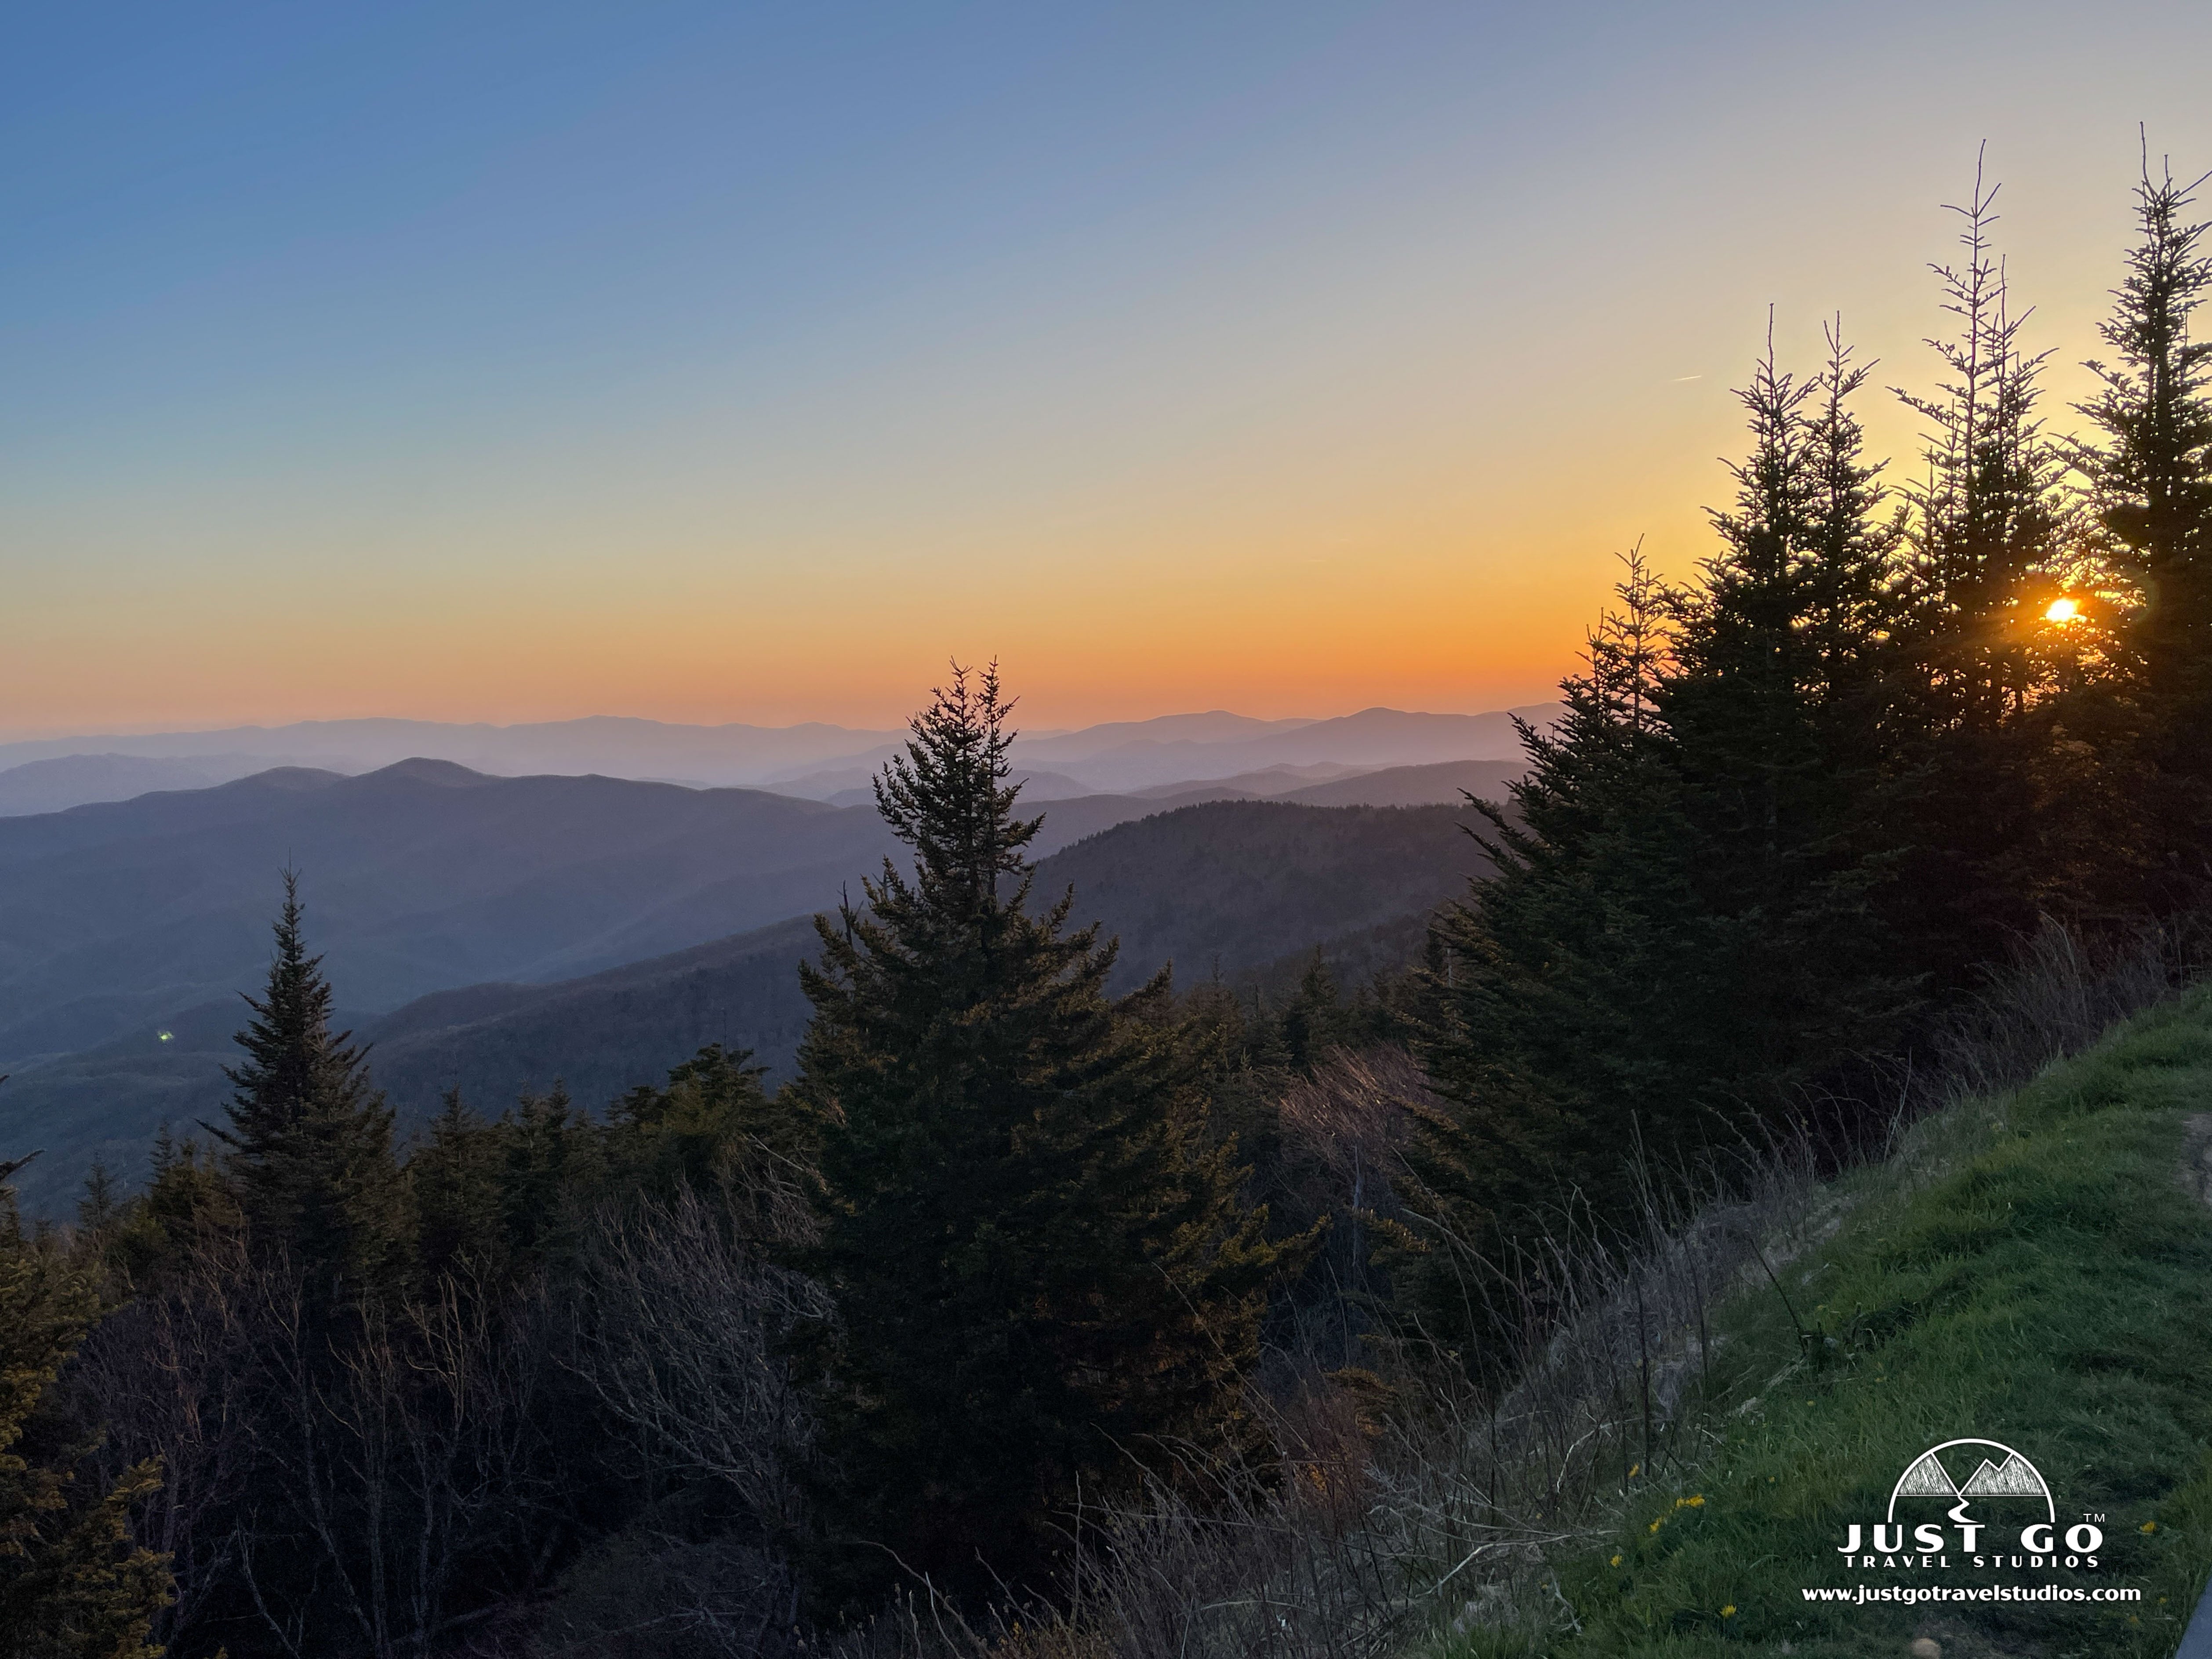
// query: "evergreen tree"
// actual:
[[309, 1139], [1570, 1033], [552, 1167], [1993, 821], [711, 1125], [1856, 606], [1314, 1021], [1989, 523], [1040, 1270], [1774, 713], [454, 1186], [1676, 941], [73, 1584], [2150, 487]]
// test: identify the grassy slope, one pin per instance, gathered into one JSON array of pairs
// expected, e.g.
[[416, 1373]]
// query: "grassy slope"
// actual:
[[2032, 1269]]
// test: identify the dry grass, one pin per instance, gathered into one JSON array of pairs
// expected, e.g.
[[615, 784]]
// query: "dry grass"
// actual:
[[1405, 1502]]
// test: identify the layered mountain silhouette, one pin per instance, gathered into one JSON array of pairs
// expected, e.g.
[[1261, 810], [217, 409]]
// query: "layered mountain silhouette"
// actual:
[[815, 759], [67, 780], [608, 745], [503, 934]]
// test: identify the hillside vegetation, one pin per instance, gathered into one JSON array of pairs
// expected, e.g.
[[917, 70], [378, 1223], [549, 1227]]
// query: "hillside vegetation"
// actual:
[[2034, 1268]]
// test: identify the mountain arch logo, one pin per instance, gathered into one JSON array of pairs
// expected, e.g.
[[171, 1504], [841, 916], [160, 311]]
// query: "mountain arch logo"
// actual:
[[1976, 1487], [2014, 1477]]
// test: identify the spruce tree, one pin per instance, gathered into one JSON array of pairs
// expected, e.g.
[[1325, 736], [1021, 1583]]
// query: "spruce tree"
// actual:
[[1569, 1034], [1991, 818], [2150, 486], [1775, 717], [1314, 1020], [1042, 1276], [1988, 522], [454, 1192], [711, 1125], [1676, 943], [308, 1139]]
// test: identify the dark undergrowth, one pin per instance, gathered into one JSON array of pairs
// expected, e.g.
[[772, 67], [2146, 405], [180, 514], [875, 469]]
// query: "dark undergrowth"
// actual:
[[2010, 1250]]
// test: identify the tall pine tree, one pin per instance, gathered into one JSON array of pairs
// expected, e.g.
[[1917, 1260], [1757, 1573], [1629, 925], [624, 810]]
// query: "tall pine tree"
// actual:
[[309, 1139], [2150, 485], [1677, 941], [1568, 993], [1988, 813], [1043, 1275], [1776, 720]]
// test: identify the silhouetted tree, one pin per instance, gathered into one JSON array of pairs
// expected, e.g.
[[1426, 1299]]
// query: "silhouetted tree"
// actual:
[[1992, 819], [1571, 993], [2151, 484], [1778, 727], [309, 1138], [454, 1190], [1041, 1273]]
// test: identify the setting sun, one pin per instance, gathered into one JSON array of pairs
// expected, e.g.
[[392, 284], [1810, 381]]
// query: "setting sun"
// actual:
[[2063, 610]]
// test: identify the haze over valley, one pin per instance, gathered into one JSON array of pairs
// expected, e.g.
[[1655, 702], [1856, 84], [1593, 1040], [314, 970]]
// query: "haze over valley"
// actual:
[[583, 923]]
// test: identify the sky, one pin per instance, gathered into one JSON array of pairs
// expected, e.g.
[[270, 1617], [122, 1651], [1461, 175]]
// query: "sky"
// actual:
[[748, 362]]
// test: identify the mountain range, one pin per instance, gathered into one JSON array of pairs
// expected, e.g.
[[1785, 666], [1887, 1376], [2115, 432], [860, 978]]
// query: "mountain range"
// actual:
[[503, 932], [817, 760], [1243, 891]]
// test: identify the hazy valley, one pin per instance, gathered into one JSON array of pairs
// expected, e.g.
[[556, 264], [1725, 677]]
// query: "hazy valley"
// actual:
[[506, 933]]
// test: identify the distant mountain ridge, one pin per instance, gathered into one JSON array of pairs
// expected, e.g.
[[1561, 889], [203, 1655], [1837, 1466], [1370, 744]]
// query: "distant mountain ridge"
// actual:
[[426, 875], [814, 760], [1372, 737], [611, 745], [1237, 888], [419, 876], [65, 781]]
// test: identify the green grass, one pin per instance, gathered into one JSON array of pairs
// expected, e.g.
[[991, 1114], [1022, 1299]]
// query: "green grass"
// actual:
[[2031, 1269]]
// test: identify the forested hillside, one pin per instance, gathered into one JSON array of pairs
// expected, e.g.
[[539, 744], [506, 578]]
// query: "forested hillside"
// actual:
[[1226, 887]]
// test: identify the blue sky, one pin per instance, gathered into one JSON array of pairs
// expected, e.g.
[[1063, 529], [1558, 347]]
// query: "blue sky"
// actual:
[[744, 362]]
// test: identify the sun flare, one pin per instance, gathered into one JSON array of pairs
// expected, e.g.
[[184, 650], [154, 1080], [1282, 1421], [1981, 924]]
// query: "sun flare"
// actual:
[[2063, 610]]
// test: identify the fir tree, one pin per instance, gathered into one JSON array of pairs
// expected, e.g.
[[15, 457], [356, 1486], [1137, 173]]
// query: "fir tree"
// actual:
[[1994, 823], [1774, 714], [1314, 1021], [711, 1125], [1989, 523], [1857, 605], [1570, 994], [2150, 487], [188, 1200], [309, 1139], [1041, 1272], [552, 1167], [454, 1185]]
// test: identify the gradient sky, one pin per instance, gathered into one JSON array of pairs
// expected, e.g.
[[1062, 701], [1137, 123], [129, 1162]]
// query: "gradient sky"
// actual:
[[743, 361]]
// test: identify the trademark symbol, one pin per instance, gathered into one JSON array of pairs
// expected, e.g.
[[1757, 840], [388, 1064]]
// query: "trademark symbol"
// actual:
[[2099, 1516]]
